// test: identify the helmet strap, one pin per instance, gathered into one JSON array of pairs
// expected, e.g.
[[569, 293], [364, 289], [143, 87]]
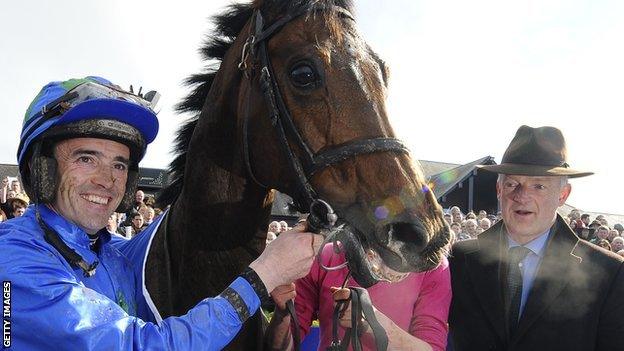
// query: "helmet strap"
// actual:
[[43, 176]]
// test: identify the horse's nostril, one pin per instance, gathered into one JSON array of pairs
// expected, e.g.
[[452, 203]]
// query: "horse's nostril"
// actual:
[[408, 232]]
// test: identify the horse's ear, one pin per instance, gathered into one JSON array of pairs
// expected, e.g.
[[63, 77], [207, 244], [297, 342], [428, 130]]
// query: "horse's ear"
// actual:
[[128, 198]]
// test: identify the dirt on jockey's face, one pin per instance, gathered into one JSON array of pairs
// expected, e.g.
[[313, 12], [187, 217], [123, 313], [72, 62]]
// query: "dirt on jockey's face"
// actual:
[[92, 180]]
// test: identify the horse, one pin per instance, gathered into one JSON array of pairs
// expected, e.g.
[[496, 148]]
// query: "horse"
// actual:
[[295, 103]]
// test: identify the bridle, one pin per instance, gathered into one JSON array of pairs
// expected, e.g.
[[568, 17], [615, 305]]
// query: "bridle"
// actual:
[[306, 163]]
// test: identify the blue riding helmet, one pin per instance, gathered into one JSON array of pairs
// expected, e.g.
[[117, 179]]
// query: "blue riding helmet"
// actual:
[[82, 108], [90, 98]]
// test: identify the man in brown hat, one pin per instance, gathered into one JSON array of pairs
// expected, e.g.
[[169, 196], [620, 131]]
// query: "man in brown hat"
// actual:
[[528, 282]]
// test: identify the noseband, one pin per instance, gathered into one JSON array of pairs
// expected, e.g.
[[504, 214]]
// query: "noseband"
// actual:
[[305, 163]]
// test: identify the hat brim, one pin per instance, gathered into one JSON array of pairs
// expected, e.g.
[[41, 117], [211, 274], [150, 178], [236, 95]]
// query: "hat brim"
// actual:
[[139, 117], [534, 170]]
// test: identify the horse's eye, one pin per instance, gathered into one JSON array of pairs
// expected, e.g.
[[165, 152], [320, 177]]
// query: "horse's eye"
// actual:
[[303, 76]]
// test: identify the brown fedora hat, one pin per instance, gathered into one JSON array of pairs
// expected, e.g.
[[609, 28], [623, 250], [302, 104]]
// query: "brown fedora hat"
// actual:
[[536, 152]]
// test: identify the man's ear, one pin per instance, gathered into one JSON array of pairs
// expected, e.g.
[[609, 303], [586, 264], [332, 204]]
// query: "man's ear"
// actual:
[[564, 194]]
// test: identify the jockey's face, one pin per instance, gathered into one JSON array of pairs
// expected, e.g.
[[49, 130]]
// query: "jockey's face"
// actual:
[[92, 180]]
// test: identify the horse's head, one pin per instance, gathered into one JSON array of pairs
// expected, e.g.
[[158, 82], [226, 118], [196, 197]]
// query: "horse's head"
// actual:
[[324, 77], [321, 75]]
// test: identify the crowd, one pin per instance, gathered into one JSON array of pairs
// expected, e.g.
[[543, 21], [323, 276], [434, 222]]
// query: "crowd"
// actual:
[[597, 230], [13, 199], [274, 229]]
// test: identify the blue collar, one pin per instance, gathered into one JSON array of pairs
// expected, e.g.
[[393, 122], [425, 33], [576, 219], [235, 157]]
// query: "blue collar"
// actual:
[[68, 231], [537, 245]]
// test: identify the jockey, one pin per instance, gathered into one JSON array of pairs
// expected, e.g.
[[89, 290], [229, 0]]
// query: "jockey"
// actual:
[[69, 287]]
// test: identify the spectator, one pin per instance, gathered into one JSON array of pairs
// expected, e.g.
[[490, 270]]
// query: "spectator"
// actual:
[[617, 244], [471, 227], [270, 237], [448, 218], [274, 227], [148, 214], [137, 224], [586, 220], [149, 200], [17, 207], [604, 243], [283, 226], [492, 219], [456, 228], [602, 233], [619, 228], [471, 215], [595, 225], [412, 311], [112, 225], [612, 234], [482, 215], [485, 224], [603, 221], [457, 214]]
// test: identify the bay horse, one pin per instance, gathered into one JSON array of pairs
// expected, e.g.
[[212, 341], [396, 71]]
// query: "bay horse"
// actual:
[[296, 103]]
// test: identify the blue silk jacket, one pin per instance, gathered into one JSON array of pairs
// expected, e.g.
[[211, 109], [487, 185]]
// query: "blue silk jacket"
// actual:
[[53, 306]]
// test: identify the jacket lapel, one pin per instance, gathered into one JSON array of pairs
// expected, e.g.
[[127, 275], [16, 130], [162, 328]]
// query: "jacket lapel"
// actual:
[[485, 272], [552, 275]]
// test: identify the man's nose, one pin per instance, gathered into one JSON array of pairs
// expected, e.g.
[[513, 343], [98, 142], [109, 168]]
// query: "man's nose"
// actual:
[[520, 194], [104, 177]]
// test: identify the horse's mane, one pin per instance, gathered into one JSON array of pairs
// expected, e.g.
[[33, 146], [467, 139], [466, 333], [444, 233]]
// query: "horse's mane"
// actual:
[[227, 26]]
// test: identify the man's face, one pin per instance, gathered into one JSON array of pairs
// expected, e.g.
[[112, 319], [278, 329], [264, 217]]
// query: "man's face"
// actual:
[[19, 212], [602, 233], [529, 204], [456, 228], [585, 220], [457, 217], [92, 179], [137, 222], [111, 224], [139, 196], [16, 186]]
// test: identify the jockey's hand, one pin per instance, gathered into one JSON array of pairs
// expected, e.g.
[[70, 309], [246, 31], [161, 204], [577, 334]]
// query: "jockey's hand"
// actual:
[[283, 293], [288, 257], [344, 294]]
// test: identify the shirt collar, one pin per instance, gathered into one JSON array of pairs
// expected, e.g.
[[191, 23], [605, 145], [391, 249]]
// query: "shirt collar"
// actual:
[[537, 245], [67, 230]]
